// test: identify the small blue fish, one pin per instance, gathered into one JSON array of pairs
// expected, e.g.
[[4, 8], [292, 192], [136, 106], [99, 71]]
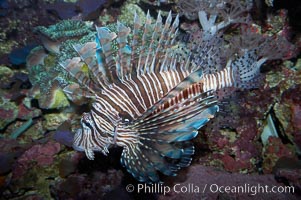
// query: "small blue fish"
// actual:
[[151, 94]]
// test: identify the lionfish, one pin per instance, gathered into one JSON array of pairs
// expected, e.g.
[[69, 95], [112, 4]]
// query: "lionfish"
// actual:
[[150, 96]]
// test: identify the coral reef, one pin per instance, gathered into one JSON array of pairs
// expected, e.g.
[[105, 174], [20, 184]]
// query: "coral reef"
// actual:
[[40, 155], [5, 75], [274, 150], [127, 12], [37, 160], [9, 112], [8, 28], [53, 121]]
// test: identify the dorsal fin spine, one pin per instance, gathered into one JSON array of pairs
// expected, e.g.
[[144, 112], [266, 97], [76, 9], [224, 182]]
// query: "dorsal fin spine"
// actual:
[[73, 67], [147, 28], [156, 34], [135, 42], [162, 40], [106, 37], [87, 53], [123, 57]]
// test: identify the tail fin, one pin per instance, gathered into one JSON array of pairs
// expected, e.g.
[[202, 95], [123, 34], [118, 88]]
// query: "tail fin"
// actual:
[[246, 70]]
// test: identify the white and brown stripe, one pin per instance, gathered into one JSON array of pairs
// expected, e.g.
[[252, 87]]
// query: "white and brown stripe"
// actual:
[[221, 79], [126, 100], [123, 102], [130, 98]]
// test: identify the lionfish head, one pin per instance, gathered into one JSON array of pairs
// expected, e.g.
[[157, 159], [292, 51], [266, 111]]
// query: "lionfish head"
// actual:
[[87, 138]]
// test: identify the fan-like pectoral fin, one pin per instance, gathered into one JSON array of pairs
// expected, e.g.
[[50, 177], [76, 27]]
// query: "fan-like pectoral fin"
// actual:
[[163, 137]]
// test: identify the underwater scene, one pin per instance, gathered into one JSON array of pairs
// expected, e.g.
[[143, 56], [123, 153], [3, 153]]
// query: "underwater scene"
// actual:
[[150, 99]]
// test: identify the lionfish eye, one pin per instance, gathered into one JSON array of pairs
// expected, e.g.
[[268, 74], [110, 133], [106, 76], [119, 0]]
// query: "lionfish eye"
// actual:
[[87, 123]]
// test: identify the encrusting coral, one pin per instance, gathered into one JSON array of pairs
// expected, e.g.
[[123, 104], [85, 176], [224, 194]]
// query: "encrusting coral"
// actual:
[[64, 29], [44, 68]]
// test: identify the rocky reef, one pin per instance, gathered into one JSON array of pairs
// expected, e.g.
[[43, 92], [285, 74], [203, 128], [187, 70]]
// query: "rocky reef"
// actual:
[[256, 137]]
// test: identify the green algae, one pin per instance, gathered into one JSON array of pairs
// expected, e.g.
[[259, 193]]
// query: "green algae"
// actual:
[[274, 78], [231, 135], [59, 99], [8, 112], [17, 132], [5, 74], [54, 120], [127, 13]]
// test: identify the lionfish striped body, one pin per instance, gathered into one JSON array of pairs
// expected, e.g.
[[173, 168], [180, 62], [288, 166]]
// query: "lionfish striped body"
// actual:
[[150, 97]]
